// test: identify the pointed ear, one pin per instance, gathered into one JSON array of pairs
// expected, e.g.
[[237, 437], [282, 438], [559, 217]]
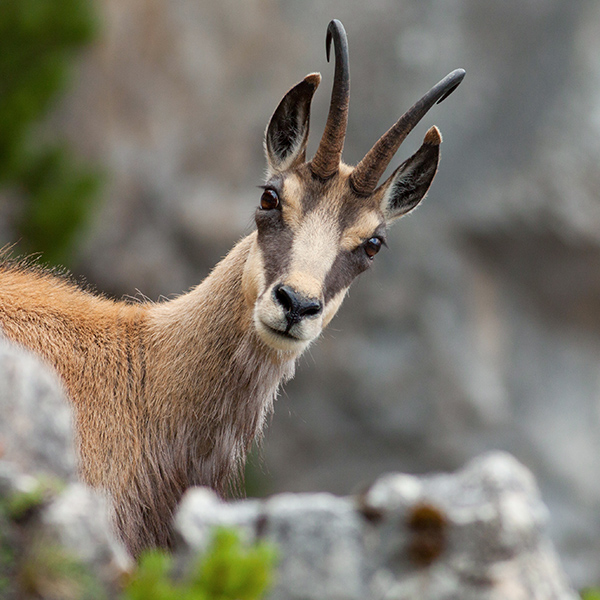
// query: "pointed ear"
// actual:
[[409, 183], [287, 133]]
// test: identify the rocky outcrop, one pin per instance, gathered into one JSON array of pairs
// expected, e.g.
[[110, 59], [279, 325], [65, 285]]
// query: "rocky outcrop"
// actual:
[[35, 423], [480, 533], [55, 533], [477, 534]]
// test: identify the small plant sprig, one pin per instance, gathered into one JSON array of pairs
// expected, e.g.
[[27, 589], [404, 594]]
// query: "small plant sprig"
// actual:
[[229, 570]]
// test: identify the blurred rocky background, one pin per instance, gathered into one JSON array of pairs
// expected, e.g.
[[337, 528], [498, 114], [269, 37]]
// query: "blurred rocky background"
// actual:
[[479, 328]]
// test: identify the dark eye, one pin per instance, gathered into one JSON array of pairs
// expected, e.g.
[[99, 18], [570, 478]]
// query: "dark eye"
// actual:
[[269, 200], [372, 246]]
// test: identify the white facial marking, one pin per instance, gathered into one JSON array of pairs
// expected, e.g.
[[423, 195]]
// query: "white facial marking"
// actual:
[[292, 192], [314, 249], [360, 231]]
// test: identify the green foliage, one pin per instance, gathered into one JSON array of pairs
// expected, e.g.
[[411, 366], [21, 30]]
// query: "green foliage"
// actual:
[[18, 505], [8, 560], [32, 566], [48, 571], [591, 594], [38, 39], [229, 571], [59, 204]]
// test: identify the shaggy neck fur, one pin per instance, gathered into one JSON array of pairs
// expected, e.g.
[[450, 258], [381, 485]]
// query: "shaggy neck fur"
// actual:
[[222, 380]]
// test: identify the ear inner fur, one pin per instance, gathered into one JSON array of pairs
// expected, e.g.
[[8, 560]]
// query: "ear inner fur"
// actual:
[[409, 184], [287, 132]]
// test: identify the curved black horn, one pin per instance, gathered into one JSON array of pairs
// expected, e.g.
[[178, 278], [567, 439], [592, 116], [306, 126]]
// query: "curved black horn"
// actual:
[[327, 158], [367, 173]]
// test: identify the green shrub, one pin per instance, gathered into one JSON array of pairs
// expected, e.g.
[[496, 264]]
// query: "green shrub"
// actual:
[[38, 41], [48, 571], [228, 571], [18, 506], [31, 564]]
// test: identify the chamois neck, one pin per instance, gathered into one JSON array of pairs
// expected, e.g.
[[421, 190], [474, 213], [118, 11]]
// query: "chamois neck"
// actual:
[[208, 339], [212, 379], [215, 312]]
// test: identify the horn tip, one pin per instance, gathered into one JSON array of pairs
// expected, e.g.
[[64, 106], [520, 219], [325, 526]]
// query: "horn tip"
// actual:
[[433, 137], [335, 27], [335, 24], [452, 81]]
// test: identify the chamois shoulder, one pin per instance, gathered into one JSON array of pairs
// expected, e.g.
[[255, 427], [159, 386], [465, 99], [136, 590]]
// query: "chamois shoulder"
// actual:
[[27, 285]]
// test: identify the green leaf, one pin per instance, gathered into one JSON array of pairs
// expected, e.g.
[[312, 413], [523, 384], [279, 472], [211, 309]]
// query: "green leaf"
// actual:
[[230, 570]]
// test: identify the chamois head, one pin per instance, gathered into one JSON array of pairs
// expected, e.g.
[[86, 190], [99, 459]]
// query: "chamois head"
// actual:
[[320, 223]]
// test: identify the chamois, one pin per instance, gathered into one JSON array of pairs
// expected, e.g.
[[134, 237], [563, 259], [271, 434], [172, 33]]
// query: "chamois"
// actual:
[[172, 394]]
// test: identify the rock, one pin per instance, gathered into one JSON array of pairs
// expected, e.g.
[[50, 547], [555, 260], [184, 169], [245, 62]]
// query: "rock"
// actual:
[[479, 534], [38, 459], [200, 511], [78, 519], [36, 431], [54, 539], [321, 546], [318, 538]]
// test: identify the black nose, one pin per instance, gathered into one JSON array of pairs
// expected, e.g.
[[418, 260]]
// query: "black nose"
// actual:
[[295, 305]]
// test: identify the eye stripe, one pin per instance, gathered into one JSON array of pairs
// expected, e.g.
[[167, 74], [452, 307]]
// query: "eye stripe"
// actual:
[[346, 266], [275, 241]]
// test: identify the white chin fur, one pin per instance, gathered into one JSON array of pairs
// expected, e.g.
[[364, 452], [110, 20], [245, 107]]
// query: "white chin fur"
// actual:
[[277, 341]]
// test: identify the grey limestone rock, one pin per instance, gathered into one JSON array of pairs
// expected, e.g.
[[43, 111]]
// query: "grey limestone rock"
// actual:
[[36, 437], [78, 518], [476, 534], [479, 534], [318, 536], [36, 431]]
